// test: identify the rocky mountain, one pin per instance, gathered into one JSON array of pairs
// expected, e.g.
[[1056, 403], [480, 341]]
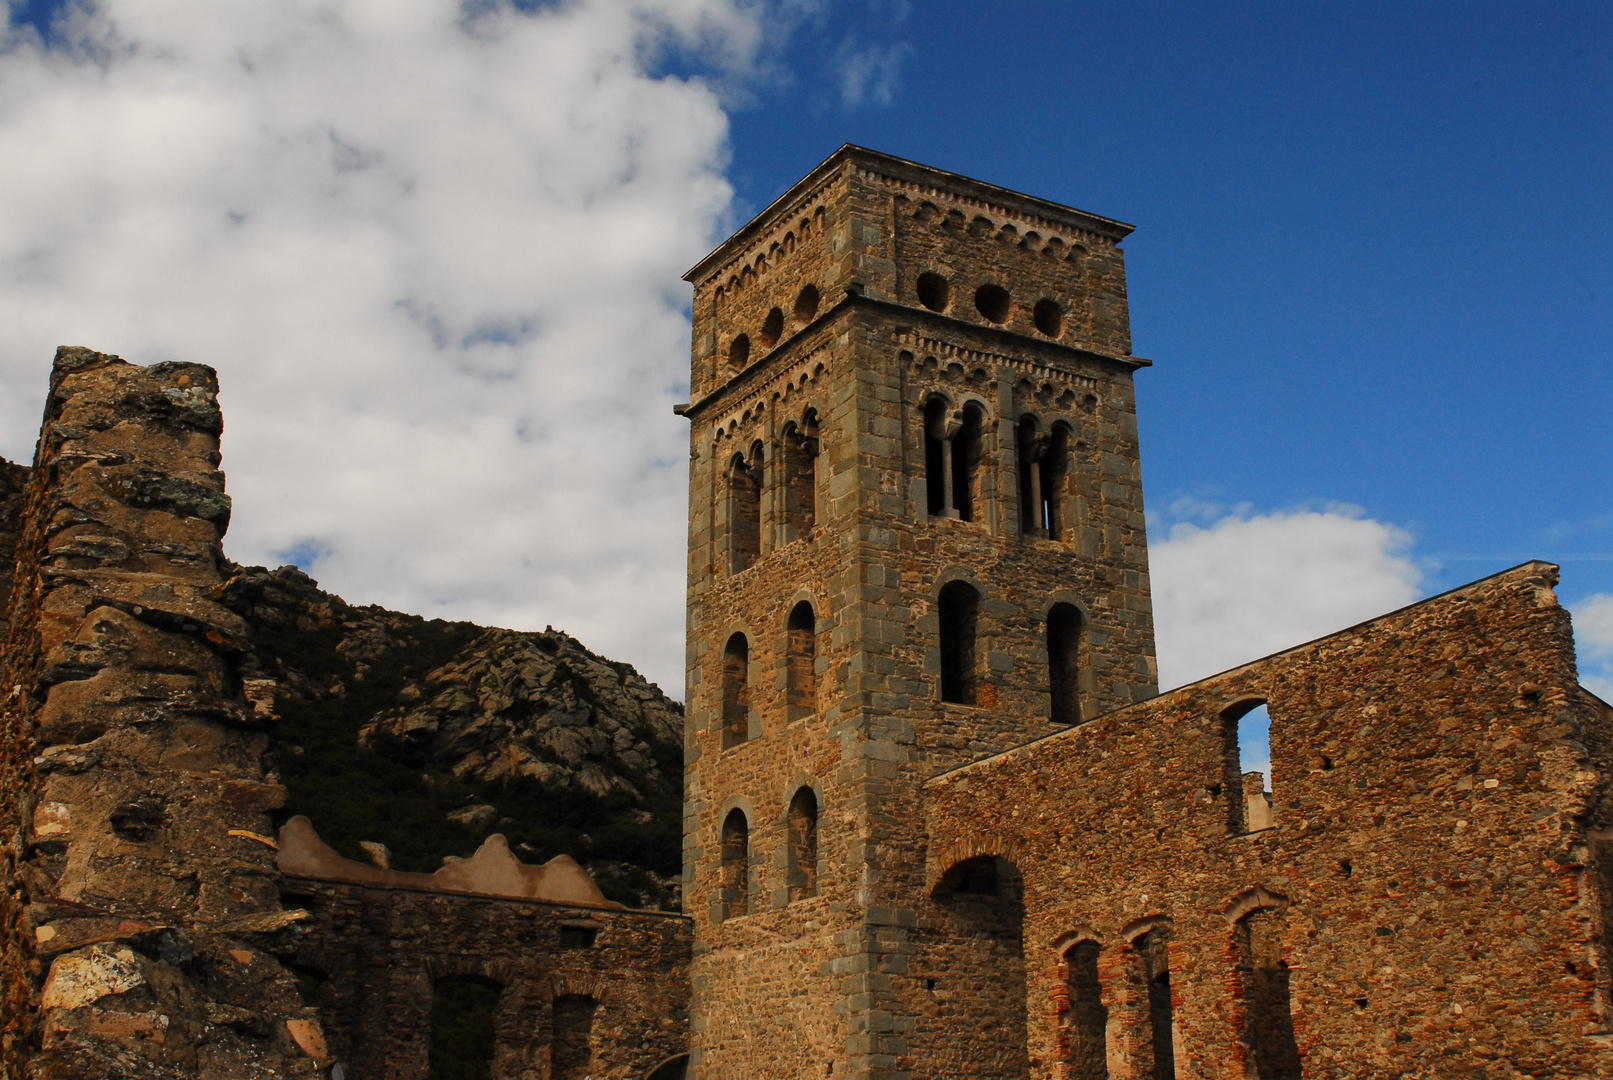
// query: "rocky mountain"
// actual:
[[408, 741]]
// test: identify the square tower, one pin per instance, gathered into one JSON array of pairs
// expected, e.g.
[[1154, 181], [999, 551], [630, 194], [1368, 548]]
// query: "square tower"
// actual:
[[915, 539]]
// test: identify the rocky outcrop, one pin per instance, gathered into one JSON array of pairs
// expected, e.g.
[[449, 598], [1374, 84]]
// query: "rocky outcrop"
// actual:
[[142, 912], [424, 737]]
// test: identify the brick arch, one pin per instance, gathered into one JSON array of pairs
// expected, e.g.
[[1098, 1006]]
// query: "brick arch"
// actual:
[[569, 984], [1252, 899], [969, 846], [1136, 928], [1081, 931]]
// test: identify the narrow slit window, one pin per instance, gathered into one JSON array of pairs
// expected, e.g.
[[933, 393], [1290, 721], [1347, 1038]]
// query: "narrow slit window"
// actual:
[[803, 849], [1031, 447], [1246, 750], [735, 885], [801, 477], [1050, 490], [801, 662], [958, 608], [735, 691], [744, 514], [937, 455], [1263, 977], [967, 452], [1064, 657], [1159, 1049], [1086, 1023]]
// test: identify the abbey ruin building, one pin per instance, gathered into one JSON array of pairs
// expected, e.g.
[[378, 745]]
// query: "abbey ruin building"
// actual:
[[937, 819]]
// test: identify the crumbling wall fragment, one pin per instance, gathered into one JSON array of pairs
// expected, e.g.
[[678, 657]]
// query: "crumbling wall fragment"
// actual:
[[141, 910]]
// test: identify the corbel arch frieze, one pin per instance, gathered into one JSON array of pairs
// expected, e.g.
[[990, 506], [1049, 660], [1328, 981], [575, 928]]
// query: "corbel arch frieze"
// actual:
[[750, 411]]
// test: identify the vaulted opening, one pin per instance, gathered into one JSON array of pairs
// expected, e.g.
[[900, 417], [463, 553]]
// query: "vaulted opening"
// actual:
[[1048, 317], [571, 1055], [1064, 661], [933, 291], [1051, 468], [1085, 1022], [744, 513], [734, 888], [463, 1036], [958, 608], [1157, 1052], [801, 658], [735, 691], [1246, 753], [1263, 979], [802, 853]]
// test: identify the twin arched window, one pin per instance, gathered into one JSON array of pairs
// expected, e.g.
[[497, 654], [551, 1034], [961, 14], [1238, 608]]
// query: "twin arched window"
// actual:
[[801, 856], [800, 675], [785, 486], [958, 615], [953, 448]]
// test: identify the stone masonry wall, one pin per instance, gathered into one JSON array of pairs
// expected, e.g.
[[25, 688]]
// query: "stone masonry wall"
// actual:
[[142, 916], [1430, 897], [373, 954]]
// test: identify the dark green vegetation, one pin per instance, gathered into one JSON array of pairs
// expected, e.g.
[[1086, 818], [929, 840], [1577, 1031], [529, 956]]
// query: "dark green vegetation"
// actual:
[[462, 1035], [395, 794]]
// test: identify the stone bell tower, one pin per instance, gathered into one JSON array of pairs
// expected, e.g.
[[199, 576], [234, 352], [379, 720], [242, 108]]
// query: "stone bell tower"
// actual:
[[915, 539]]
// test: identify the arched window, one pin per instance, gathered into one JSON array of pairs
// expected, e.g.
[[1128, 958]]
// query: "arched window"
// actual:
[[1051, 469], [1064, 662], [1268, 1019], [463, 1035], [1032, 501], [1157, 1049], [735, 691], [803, 845], [967, 450], [801, 477], [734, 889], [1086, 1021], [744, 513], [1041, 478], [571, 1055], [801, 657], [958, 608], [1246, 757], [939, 427]]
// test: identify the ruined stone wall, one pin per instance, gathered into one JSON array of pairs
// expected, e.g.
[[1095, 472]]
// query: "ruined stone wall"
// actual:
[[142, 912], [1429, 900], [374, 954]]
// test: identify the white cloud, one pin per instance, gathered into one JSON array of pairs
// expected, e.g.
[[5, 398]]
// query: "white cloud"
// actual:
[[433, 251], [1250, 585], [869, 73], [1593, 641]]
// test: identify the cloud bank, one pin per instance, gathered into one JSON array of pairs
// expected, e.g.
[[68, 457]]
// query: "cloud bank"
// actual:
[[434, 251], [1252, 584]]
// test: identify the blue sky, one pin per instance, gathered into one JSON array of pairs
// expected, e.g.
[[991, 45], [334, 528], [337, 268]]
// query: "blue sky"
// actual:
[[1374, 250], [434, 249]]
